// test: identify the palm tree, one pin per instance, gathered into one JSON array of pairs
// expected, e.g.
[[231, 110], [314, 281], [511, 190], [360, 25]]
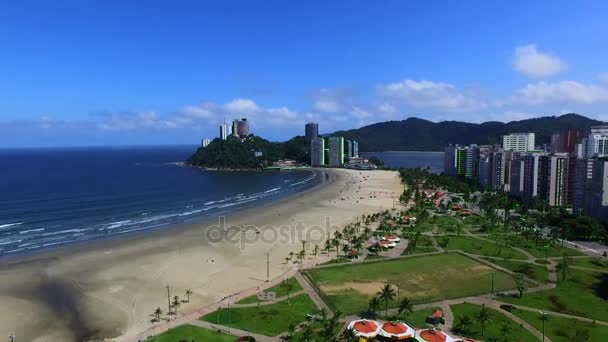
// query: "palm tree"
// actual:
[[373, 305], [405, 307], [287, 260], [345, 249], [188, 293], [157, 313], [315, 251], [483, 316], [327, 245], [176, 303], [464, 322], [387, 293], [291, 255], [350, 335]]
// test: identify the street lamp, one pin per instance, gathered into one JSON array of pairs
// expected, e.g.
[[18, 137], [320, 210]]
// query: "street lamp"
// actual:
[[543, 318]]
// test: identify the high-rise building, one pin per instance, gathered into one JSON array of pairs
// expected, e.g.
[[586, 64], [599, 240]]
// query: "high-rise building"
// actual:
[[517, 170], [580, 182], [240, 128], [471, 162], [555, 144], [485, 168], [596, 194], [597, 142], [518, 142], [311, 130], [349, 149], [317, 152], [206, 142], [336, 151], [449, 160], [223, 133], [497, 177], [531, 176], [558, 179], [355, 149]]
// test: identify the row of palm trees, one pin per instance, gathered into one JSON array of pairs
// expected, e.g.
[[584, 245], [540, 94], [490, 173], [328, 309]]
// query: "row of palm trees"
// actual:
[[327, 332], [175, 304]]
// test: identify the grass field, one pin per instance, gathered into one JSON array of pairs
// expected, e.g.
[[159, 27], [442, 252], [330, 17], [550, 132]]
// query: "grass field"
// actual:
[[594, 263], [538, 249], [191, 333], [562, 329], [493, 330], [268, 320], [584, 293], [480, 247], [424, 244], [536, 272], [422, 279], [280, 290], [416, 319]]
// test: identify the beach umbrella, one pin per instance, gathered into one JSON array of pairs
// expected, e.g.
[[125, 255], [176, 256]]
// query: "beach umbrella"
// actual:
[[396, 331], [365, 328]]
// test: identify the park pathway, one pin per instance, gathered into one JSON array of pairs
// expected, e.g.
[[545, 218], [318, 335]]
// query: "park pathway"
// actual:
[[233, 331], [268, 302], [314, 296]]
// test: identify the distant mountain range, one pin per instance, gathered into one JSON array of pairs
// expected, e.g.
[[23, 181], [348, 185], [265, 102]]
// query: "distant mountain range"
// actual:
[[415, 134]]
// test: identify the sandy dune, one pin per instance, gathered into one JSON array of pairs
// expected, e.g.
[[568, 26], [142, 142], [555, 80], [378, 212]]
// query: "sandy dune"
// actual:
[[109, 289]]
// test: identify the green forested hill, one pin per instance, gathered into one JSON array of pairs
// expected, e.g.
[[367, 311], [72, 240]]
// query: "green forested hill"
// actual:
[[416, 134]]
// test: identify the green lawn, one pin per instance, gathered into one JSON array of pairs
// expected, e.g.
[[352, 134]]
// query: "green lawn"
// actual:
[[594, 263], [584, 293], [191, 333], [536, 272], [424, 244], [280, 290], [493, 330], [423, 279], [268, 320], [560, 329], [480, 247], [416, 319], [536, 248]]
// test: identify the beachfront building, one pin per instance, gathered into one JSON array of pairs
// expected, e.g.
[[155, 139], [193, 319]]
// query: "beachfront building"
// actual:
[[349, 149], [518, 142], [240, 128], [596, 195], [223, 131], [497, 178], [597, 142], [317, 152], [206, 142], [355, 149], [311, 130], [336, 151]]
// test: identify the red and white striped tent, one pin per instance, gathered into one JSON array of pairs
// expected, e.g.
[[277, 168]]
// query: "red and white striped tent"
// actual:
[[396, 331]]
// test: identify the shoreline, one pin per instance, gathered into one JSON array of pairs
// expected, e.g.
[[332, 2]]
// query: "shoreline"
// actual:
[[109, 289], [68, 248]]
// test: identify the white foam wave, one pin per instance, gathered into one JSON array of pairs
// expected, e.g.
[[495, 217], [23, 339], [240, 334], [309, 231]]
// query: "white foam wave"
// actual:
[[272, 190], [32, 230], [7, 225], [305, 181]]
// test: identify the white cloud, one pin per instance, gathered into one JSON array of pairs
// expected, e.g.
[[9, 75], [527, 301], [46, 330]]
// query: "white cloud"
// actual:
[[387, 108], [326, 106], [241, 106], [532, 63], [603, 76], [560, 92], [433, 95]]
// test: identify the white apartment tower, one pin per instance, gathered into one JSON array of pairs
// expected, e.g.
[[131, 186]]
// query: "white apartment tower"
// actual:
[[518, 142]]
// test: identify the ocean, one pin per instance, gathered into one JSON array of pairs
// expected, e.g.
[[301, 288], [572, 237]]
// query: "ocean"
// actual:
[[55, 197], [410, 159]]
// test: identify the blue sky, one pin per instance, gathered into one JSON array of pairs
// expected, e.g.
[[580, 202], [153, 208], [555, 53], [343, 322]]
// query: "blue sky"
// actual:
[[76, 73]]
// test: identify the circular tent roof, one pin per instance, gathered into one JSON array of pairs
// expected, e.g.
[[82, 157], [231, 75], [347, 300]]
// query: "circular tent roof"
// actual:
[[396, 330]]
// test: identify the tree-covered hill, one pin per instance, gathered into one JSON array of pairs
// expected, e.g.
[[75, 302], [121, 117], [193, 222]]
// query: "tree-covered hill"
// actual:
[[234, 153], [415, 134]]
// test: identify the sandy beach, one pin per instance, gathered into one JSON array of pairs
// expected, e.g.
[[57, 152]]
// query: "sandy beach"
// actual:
[[110, 288]]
